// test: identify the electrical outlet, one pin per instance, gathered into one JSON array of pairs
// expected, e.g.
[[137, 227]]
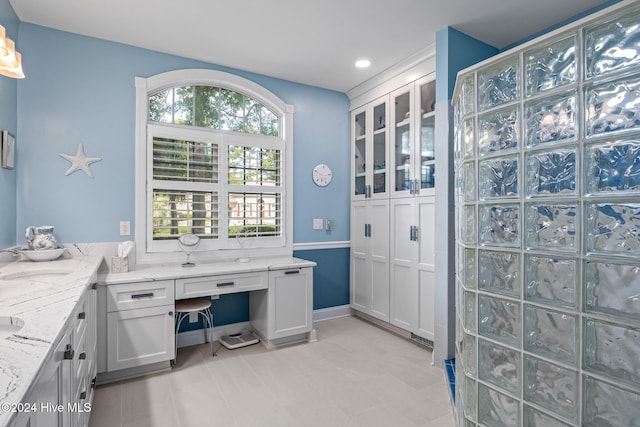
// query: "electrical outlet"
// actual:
[[193, 317], [318, 223], [125, 228]]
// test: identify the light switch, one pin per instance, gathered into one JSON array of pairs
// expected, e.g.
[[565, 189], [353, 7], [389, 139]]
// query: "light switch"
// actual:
[[329, 224], [125, 228], [318, 223]]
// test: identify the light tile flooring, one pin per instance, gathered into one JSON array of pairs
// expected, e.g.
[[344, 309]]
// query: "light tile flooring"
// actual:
[[355, 375]]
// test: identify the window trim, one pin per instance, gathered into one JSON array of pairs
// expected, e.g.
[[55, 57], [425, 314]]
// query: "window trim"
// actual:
[[194, 77]]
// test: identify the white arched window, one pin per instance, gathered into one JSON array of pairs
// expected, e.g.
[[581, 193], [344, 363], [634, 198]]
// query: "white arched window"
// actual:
[[214, 159]]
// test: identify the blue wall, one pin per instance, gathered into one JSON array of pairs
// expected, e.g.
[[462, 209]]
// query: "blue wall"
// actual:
[[8, 121], [81, 90]]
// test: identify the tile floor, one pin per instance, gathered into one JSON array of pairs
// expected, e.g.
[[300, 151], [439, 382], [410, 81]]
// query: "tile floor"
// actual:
[[355, 375]]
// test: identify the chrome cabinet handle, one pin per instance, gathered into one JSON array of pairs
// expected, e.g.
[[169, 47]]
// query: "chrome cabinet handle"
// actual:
[[225, 284], [292, 272], [68, 352], [137, 296]]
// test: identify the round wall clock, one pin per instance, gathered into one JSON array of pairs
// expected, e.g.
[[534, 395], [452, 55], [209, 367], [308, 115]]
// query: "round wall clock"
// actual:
[[322, 175]]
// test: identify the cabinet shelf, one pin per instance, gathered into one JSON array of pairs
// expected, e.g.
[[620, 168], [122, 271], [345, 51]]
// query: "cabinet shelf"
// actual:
[[361, 137], [429, 115], [405, 122], [379, 131]]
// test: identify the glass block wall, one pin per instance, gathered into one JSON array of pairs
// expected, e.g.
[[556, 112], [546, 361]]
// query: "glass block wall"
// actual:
[[547, 167]]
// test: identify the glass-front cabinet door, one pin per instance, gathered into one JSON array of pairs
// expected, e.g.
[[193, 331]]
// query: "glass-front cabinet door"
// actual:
[[426, 101], [403, 157], [413, 156], [370, 150]]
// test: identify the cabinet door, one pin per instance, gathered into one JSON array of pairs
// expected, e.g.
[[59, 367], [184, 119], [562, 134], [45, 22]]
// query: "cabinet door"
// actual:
[[290, 302], [54, 387], [402, 149], [425, 137], [139, 337], [370, 150], [403, 264], [370, 258], [426, 266]]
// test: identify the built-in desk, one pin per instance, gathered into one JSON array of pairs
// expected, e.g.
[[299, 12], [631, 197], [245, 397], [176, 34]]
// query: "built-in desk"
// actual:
[[132, 304]]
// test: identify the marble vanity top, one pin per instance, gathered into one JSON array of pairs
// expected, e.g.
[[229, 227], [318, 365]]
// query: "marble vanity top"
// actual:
[[151, 272], [42, 295]]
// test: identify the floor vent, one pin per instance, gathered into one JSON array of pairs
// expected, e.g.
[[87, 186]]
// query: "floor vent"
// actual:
[[422, 341]]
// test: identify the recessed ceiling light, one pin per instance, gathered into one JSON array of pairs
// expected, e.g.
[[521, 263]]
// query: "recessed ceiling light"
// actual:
[[363, 63]]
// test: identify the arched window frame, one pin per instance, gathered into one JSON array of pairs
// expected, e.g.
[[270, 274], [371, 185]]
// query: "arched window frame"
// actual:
[[147, 250]]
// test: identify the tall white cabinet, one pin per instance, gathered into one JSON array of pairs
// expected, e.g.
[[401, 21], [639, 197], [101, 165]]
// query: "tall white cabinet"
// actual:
[[393, 210]]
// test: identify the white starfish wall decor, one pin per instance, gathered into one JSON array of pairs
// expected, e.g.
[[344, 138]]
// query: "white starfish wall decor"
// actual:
[[80, 162]]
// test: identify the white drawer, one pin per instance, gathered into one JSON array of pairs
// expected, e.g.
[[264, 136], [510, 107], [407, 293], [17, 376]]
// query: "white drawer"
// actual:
[[130, 296], [223, 284]]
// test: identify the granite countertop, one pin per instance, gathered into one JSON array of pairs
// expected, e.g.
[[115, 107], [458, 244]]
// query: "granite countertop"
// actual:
[[44, 304], [151, 272]]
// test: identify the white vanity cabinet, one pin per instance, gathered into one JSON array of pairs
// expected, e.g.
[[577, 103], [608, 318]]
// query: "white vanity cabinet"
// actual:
[[140, 324], [63, 391], [284, 311]]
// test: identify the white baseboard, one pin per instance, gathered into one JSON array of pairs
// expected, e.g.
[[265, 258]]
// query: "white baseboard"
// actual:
[[332, 313]]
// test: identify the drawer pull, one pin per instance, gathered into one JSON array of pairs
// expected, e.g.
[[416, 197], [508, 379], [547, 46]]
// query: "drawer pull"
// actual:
[[83, 395], [82, 356], [292, 272], [225, 284], [82, 315], [137, 296]]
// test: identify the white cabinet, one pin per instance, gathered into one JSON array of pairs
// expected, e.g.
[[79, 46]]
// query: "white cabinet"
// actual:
[[285, 310], [392, 231], [63, 391], [370, 258], [140, 324], [370, 151], [412, 265], [412, 148]]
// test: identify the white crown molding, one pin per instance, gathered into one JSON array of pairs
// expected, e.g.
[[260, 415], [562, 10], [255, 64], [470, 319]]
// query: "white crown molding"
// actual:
[[409, 69]]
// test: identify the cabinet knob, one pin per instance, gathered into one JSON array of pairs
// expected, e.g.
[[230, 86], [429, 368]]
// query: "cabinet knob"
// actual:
[[83, 395], [171, 313], [82, 315], [82, 356]]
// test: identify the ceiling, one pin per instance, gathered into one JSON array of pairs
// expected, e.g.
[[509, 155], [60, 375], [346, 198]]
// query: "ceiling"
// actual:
[[306, 41]]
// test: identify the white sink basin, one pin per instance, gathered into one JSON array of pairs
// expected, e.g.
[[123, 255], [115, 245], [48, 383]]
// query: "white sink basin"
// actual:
[[9, 326], [50, 273]]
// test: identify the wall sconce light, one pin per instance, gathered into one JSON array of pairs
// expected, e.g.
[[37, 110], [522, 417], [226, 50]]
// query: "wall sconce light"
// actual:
[[10, 59]]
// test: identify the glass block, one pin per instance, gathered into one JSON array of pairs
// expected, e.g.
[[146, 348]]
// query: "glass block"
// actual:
[[498, 83], [499, 319], [469, 354], [612, 167], [535, 418], [499, 272], [612, 288], [551, 173], [467, 94], [612, 350], [458, 136], [612, 44], [499, 225], [551, 280], [469, 181], [551, 65], [499, 177], [470, 398], [551, 226], [469, 225], [498, 130], [605, 405], [612, 228], [551, 386], [551, 334], [470, 277], [612, 107], [499, 366], [468, 137], [496, 409], [470, 314], [552, 119]]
